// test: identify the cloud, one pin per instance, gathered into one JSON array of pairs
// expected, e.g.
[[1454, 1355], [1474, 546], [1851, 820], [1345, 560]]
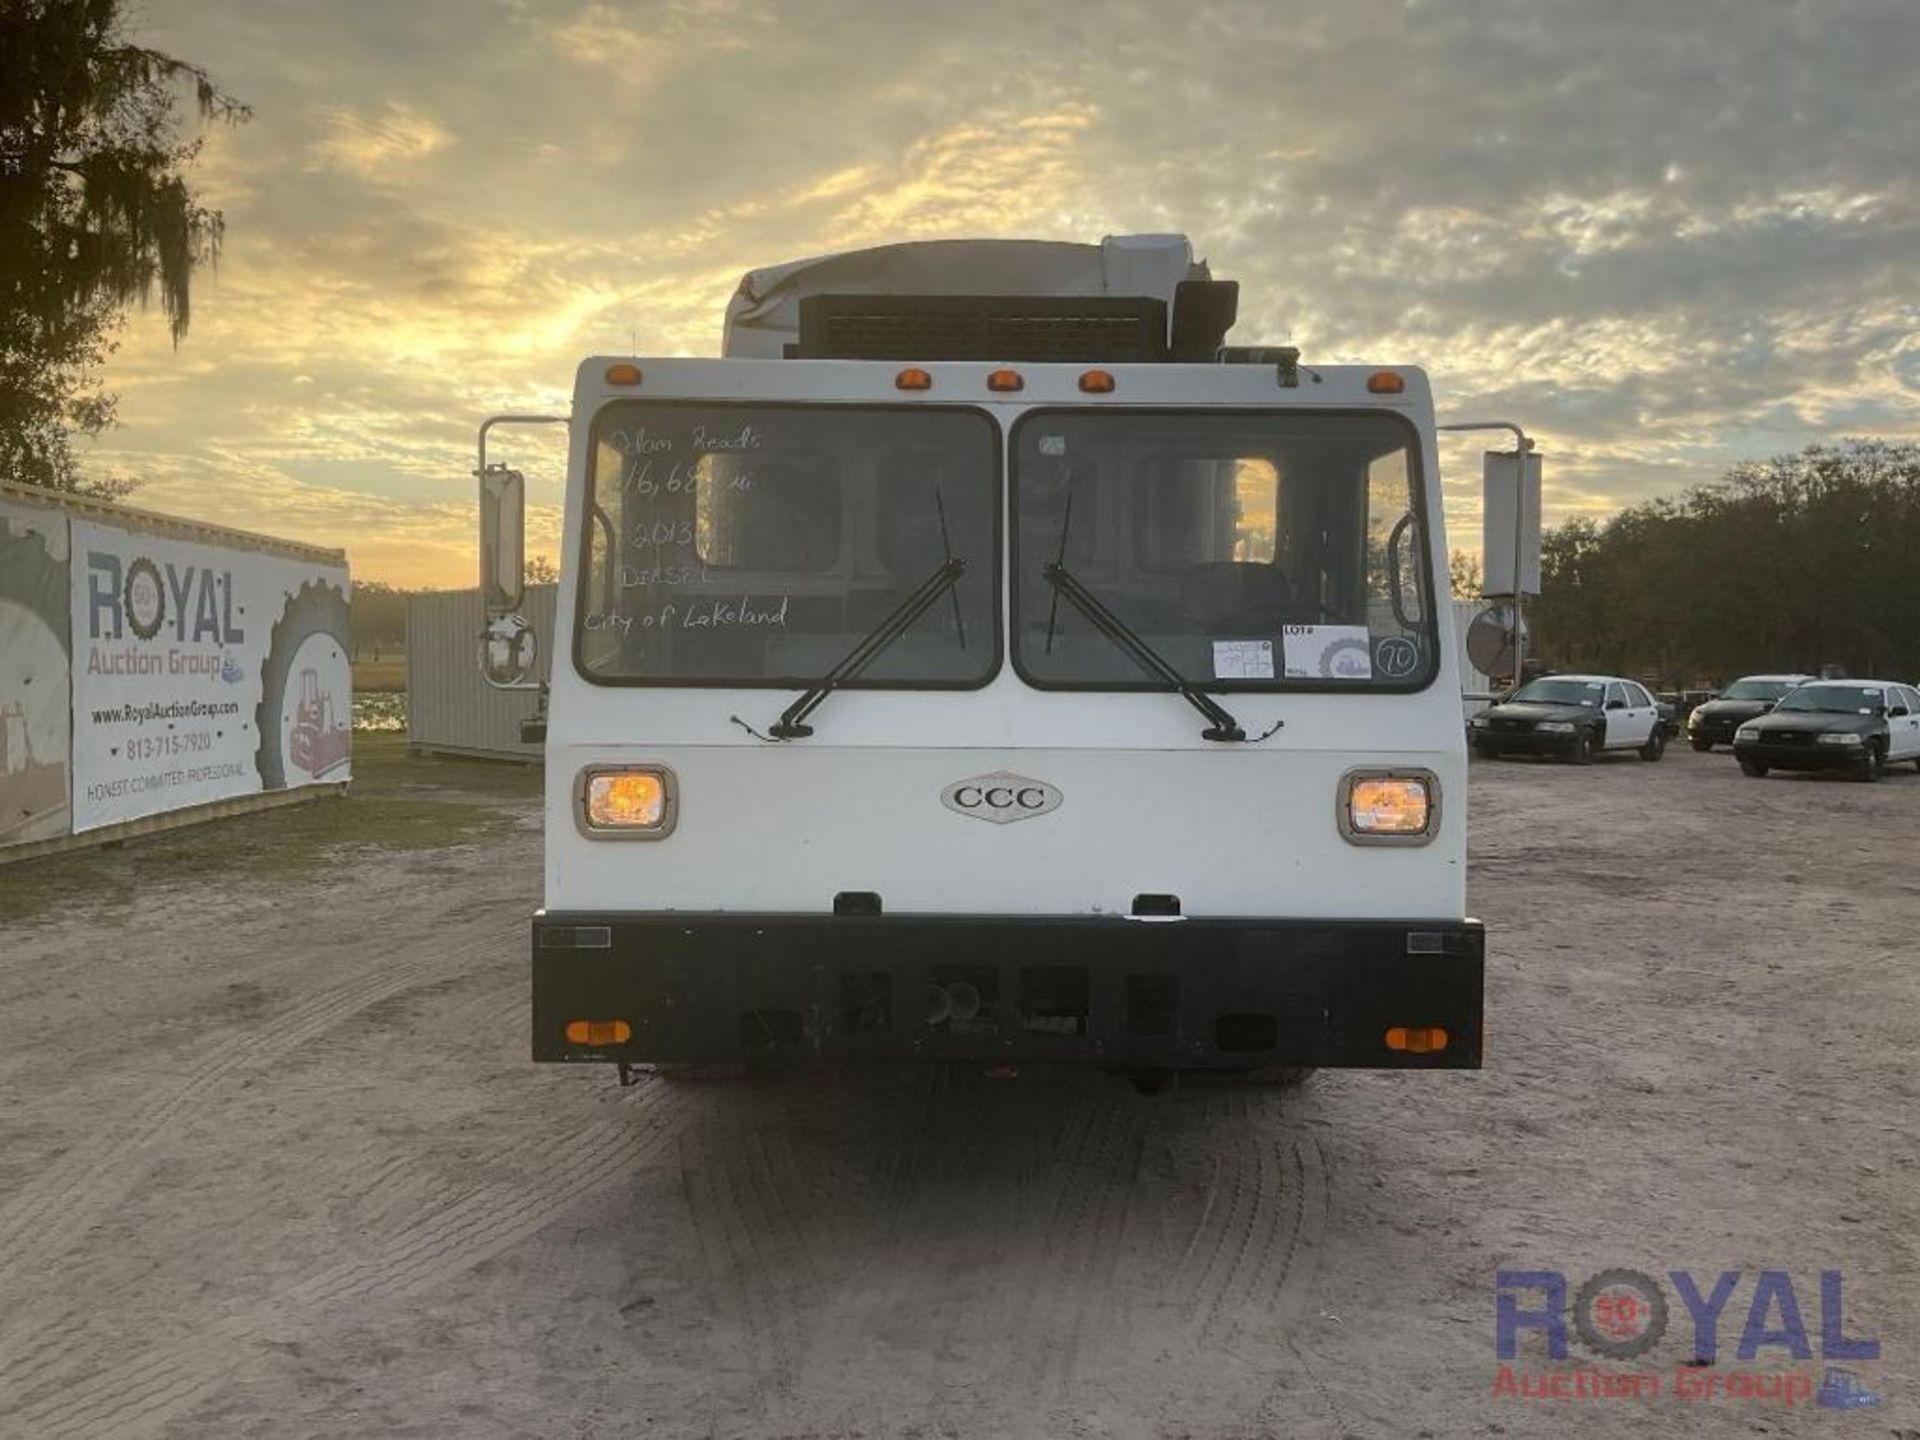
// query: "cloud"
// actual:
[[1664, 236], [378, 144]]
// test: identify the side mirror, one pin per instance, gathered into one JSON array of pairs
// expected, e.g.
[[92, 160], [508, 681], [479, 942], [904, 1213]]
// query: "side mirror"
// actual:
[[1898, 710], [510, 652], [1616, 704], [503, 540]]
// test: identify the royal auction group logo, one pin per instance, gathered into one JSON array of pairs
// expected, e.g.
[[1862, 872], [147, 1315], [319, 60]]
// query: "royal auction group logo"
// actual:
[[1622, 1315]]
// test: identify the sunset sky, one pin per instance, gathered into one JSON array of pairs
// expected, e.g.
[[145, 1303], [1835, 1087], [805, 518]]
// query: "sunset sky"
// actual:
[[1663, 236]]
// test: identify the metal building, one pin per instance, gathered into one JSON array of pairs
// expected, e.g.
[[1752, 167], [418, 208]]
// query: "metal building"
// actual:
[[450, 709]]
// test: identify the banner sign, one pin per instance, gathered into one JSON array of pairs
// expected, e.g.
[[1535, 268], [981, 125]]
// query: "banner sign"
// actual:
[[201, 672], [34, 702]]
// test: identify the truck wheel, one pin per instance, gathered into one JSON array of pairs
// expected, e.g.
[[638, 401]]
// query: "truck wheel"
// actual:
[[700, 1074], [313, 630], [1703, 746], [1872, 767], [1753, 768], [1582, 747], [1289, 1077], [1656, 745]]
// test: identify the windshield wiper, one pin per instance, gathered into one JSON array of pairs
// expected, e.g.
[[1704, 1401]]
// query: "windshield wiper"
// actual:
[[791, 724], [1222, 725]]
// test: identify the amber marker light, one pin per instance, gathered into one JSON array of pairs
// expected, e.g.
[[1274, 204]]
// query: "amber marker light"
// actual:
[[1097, 382], [1386, 382], [598, 1032], [623, 374], [1003, 381], [1416, 1039], [913, 379]]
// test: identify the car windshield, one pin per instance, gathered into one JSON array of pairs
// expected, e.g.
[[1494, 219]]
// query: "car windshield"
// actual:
[[1253, 551], [1560, 692], [756, 545], [1757, 689], [1835, 700]]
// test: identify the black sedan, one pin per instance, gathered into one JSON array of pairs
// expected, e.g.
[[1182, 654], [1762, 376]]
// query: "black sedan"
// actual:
[[1856, 725], [1713, 722], [1573, 716]]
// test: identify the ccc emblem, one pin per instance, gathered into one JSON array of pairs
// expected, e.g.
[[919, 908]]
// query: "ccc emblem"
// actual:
[[1001, 797]]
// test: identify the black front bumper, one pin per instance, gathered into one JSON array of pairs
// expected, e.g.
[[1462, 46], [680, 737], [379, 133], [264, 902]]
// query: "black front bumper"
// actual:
[[1526, 742], [1209, 993], [1804, 755]]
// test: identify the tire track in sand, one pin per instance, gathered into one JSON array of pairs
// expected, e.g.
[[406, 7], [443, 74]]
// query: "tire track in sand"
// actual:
[[50, 1214], [138, 1396]]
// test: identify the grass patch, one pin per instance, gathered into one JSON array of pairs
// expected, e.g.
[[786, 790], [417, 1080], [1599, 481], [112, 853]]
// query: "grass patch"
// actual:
[[388, 673], [398, 802]]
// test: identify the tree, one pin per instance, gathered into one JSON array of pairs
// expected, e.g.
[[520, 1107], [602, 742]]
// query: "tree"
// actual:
[[1788, 563], [541, 570], [95, 213], [1463, 572]]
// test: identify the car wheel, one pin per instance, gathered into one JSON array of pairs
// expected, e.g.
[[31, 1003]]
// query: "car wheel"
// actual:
[[1871, 767], [1656, 745], [1582, 747], [1753, 768], [1703, 746]]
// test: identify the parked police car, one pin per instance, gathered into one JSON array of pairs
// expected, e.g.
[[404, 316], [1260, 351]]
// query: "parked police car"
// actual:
[[1713, 722], [1857, 725], [1573, 716]]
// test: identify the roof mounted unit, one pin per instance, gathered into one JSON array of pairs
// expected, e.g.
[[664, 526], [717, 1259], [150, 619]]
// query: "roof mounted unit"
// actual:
[[1109, 329]]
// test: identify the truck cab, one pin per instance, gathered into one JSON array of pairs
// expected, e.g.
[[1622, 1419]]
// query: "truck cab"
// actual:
[[982, 660]]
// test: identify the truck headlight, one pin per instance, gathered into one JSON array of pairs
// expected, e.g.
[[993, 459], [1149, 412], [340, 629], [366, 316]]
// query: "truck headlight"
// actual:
[[1747, 733], [1389, 807], [637, 802], [1556, 727], [1840, 740]]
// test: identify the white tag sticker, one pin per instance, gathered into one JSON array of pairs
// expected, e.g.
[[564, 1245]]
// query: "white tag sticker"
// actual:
[[1328, 652], [1243, 659]]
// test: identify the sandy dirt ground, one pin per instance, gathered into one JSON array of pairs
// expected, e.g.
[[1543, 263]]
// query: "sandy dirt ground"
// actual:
[[273, 1161]]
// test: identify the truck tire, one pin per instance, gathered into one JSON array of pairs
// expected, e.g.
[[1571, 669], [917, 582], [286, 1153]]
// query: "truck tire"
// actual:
[[317, 609], [1656, 745], [1703, 746], [1289, 1077], [1754, 768]]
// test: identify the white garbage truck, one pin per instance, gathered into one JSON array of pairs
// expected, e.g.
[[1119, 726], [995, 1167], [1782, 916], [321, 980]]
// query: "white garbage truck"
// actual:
[[983, 660]]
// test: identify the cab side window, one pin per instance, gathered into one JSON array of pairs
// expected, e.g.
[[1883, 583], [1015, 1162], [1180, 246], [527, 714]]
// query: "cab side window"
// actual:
[[1616, 696]]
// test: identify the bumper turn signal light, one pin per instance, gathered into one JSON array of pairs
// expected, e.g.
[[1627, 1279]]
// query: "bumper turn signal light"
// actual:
[[1417, 1039], [598, 1032]]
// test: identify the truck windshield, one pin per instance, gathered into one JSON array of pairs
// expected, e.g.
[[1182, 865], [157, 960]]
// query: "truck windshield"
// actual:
[[755, 545], [1254, 550]]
